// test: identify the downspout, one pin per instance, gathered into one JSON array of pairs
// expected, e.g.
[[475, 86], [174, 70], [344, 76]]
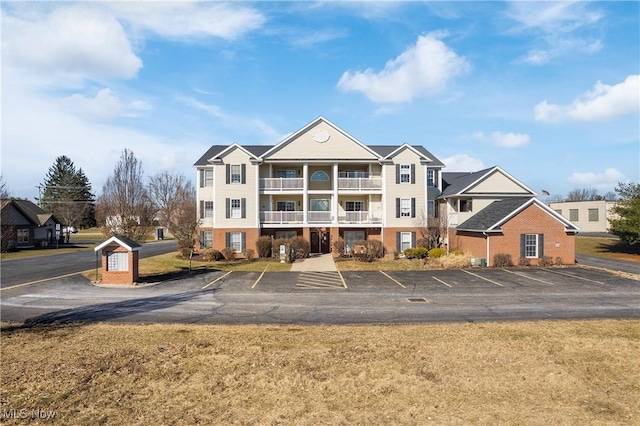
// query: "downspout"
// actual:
[[487, 238]]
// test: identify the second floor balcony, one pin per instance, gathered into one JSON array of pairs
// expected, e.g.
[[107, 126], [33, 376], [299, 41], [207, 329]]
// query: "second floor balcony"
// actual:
[[361, 184], [282, 184], [297, 217]]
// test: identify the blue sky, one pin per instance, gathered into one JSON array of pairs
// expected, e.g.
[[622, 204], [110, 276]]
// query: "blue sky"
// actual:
[[547, 91]]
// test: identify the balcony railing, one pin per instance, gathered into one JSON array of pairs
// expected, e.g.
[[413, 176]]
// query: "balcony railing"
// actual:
[[281, 184], [359, 217], [360, 183], [323, 217], [281, 217]]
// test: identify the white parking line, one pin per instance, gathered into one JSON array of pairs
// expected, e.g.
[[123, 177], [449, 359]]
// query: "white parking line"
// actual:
[[216, 280], [394, 280], [526, 276], [482, 278], [574, 276], [40, 281], [440, 281]]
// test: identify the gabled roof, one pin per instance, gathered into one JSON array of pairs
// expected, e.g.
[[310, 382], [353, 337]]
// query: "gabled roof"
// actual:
[[492, 217], [118, 240], [217, 151], [388, 151], [456, 184], [31, 211]]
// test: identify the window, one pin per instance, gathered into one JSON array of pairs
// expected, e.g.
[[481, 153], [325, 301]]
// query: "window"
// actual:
[[285, 174], [206, 239], [593, 215], [465, 205], [531, 245], [320, 176], [236, 209], [354, 174], [117, 261], [350, 237], [405, 207], [432, 177], [559, 211], [354, 206], [235, 240], [431, 211], [207, 209], [286, 206], [286, 234], [573, 215], [206, 178], [236, 173], [23, 236], [405, 240], [318, 205], [405, 173]]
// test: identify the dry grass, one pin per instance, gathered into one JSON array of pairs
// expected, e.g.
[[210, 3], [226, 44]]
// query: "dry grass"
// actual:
[[607, 247], [538, 373]]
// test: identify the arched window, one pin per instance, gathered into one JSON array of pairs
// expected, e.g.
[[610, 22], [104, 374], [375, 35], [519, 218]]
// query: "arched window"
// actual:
[[320, 176]]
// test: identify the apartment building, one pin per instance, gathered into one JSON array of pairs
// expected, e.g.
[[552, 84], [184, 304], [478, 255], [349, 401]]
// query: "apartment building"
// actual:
[[590, 216], [319, 183]]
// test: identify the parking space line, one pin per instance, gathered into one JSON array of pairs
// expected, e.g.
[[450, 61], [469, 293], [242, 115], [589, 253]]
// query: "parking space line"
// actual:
[[40, 281], [260, 277], [344, 283], [482, 278], [574, 276], [216, 280], [442, 282], [526, 276], [392, 279]]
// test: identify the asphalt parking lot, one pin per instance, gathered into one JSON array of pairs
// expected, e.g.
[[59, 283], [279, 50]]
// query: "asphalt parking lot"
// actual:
[[478, 294]]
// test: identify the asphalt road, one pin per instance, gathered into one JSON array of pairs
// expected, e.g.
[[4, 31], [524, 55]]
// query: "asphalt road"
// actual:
[[477, 294], [19, 271]]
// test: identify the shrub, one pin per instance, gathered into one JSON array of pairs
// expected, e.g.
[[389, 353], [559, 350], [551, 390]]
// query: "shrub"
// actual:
[[415, 253], [451, 262], [301, 247], [437, 252], [211, 254], [264, 247], [423, 242], [229, 253], [523, 261], [457, 253], [339, 247], [545, 261], [369, 250], [364, 256], [558, 261], [185, 252], [502, 259], [376, 248], [249, 254]]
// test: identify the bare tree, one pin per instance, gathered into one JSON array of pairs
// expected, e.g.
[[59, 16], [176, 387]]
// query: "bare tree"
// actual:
[[611, 196], [4, 189], [583, 194], [184, 226], [169, 194], [6, 221], [125, 208]]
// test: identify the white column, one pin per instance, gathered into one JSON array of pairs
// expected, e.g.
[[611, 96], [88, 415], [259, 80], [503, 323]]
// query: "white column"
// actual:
[[305, 193], [335, 193]]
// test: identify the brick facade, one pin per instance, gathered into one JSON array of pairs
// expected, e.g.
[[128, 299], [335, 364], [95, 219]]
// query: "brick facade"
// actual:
[[128, 277]]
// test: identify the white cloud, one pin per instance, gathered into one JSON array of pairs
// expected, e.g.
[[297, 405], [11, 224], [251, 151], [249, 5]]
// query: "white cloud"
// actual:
[[104, 105], [605, 180], [421, 70], [602, 102], [504, 140], [463, 163]]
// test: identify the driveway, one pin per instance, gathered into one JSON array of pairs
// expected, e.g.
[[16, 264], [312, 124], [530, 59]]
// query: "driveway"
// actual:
[[477, 294]]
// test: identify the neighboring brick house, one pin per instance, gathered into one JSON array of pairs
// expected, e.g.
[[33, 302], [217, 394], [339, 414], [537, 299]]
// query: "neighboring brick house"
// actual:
[[24, 224], [590, 216], [490, 212], [319, 183]]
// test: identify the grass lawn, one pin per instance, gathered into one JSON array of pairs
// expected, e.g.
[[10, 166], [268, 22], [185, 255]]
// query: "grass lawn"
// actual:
[[538, 373], [607, 247]]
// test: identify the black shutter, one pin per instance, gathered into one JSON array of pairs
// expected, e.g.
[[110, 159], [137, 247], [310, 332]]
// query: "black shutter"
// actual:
[[243, 208], [201, 178], [413, 240], [227, 205], [201, 209], [228, 172], [243, 174], [522, 251], [397, 207], [201, 239], [397, 173], [227, 239], [540, 245], [243, 241], [413, 207], [413, 173], [398, 242]]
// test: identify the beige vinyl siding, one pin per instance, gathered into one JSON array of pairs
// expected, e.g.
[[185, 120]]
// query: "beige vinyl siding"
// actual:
[[337, 147], [248, 191], [497, 183], [404, 190]]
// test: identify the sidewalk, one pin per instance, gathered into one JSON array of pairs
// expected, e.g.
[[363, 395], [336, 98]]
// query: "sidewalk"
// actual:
[[315, 263]]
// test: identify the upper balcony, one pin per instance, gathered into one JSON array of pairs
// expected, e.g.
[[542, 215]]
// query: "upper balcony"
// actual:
[[345, 183], [281, 184]]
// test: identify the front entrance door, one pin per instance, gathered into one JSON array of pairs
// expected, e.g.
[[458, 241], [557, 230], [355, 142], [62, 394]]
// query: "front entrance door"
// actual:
[[320, 242]]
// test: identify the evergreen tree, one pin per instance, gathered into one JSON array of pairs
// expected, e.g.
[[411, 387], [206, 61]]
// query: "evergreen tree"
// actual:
[[66, 192], [627, 224]]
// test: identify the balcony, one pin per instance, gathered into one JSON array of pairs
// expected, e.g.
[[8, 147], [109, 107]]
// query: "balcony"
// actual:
[[359, 217], [319, 217], [281, 184], [360, 183], [281, 217]]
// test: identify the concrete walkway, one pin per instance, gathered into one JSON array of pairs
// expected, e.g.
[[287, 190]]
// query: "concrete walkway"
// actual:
[[315, 263]]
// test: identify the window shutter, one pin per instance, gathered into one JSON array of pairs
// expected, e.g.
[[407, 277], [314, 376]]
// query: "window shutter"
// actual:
[[228, 172], [397, 207], [243, 174], [243, 241], [201, 178], [227, 239], [227, 203], [201, 209], [540, 245], [398, 242], [522, 252], [413, 173], [397, 173], [413, 207], [243, 208], [201, 239], [413, 240]]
